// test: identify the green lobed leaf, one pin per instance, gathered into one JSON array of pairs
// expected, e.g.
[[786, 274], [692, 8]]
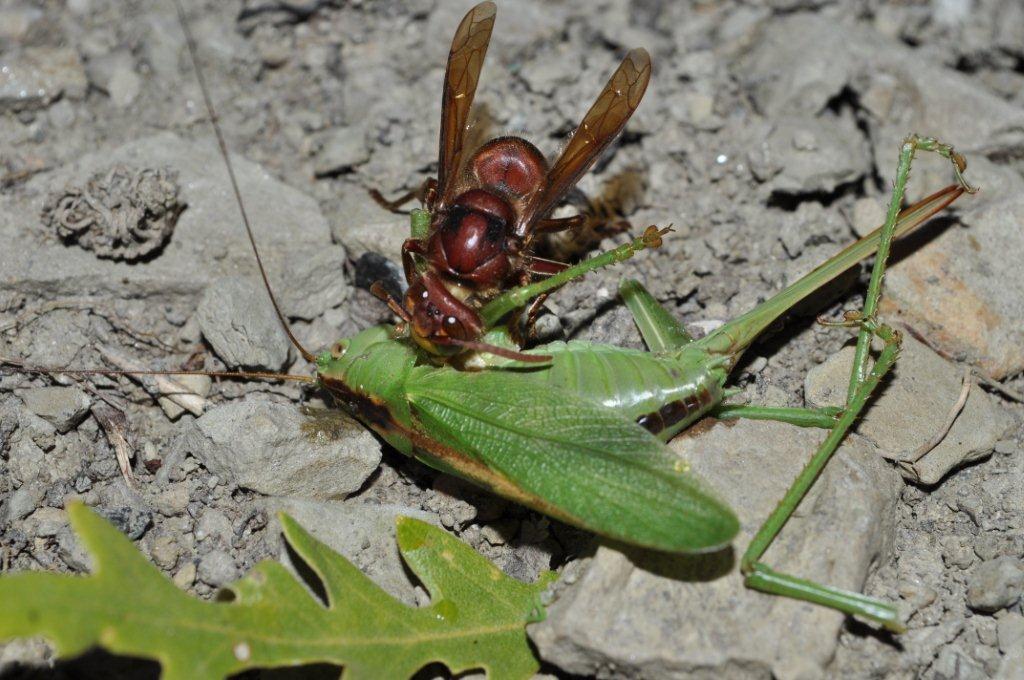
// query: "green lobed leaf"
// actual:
[[477, 617]]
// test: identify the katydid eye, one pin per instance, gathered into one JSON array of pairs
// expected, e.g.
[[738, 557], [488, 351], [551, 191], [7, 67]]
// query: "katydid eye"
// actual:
[[338, 350]]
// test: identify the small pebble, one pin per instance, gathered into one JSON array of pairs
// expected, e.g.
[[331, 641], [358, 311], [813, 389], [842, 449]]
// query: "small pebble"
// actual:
[[757, 365], [995, 584], [63, 407], [213, 524], [217, 568], [72, 551], [868, 214], [1010, 631], [186, 576], [173, 501], [48, 521], [986, 629], [164, 552], [1006, 447], [24, 501], [988, 546], [492, 535], [957, 554], [917, 594], [130, 521], [343, 148]]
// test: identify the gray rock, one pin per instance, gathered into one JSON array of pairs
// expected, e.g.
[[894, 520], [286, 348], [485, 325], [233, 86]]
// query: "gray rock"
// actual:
[[209, 241], [215, 525], [277, 450], [24, 500], [36, 76], [63, 407], [952, 662], [368, 227], [1010, 630], [342, 149], [130, 521], [217, 568], [26, 461], [114, 73], [867, 215], [659, 616], [164, 551], [895, 84], [17, 655], [71, 550], [959, 288], [913, 407], [47, 521], [363, 533], [316, 280], [194, 385], [1012, 667], [812, 154], [995, 584], [16, 20], [185, 577], [237, 319]]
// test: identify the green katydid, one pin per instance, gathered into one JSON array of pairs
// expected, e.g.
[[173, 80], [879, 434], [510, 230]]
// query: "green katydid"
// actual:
[[580, 435]]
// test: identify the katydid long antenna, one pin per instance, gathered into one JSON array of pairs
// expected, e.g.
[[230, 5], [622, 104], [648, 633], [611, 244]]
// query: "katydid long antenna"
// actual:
[[193, 55], [250, 375], [245, 375]]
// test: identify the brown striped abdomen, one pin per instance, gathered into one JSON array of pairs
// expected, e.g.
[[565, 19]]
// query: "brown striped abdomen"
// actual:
[[689, 408]]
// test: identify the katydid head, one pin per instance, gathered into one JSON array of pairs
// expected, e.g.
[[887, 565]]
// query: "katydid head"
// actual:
[[338, 361]]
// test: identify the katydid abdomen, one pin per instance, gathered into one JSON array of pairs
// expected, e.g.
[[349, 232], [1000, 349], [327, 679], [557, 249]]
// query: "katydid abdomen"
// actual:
[[665, 392]]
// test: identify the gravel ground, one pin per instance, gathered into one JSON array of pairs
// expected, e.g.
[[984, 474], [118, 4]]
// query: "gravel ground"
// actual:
[[768, 138]]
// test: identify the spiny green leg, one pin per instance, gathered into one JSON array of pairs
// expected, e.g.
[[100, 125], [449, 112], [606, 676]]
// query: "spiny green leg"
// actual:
[[516, 298], [760, 576], [824, 418], [910, 146], [862, 384], [659, 328]]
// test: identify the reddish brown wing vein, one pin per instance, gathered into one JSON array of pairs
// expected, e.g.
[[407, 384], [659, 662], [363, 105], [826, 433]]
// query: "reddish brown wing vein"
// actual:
[[466, 59], [618, 100]]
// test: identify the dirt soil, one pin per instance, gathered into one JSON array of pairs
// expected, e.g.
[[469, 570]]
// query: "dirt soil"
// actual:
[[765, 156]]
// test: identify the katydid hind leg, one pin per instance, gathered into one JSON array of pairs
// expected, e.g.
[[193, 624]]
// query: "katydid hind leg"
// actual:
[[864, 380], [824, 418], [660, 330]]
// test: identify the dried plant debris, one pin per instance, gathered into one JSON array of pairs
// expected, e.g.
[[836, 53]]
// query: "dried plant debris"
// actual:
[[124, 213]]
